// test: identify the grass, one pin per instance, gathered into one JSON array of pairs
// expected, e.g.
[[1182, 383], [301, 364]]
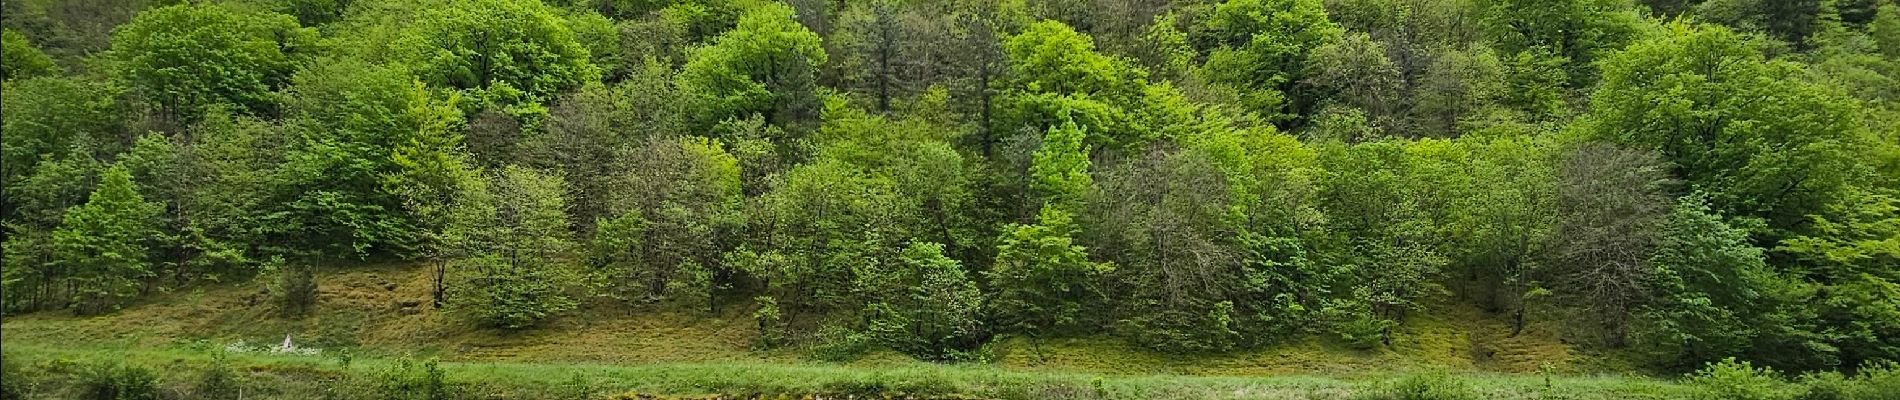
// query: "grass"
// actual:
[[660, 349], [272, 376]]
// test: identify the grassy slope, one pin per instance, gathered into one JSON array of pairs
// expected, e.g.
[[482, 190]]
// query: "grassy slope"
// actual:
[[359, 309]]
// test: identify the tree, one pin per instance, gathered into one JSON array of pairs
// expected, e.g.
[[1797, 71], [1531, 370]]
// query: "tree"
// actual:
[[589, 133], [19, 59], [1850, 251], [185, 58], [1060, 169], [1510, 218], [1885, 30], [767, 65], [495, 49], [931, 308], [1045, 283], [518, 269], [1709, 283], [1611, 204], [365, 136], [1575, 30], [1458, 84], [1165, 220], [1260, 47], [1355, 71], [1056, 77], [665, 232], [104, 243], [48, 119], [1759, 141]]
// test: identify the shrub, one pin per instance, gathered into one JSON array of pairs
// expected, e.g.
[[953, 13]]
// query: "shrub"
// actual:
[[219, 381], [12, 379], [296, 286], [119, 382], [408, 380], [1428, 386], [1876, 381], [1738, 380]]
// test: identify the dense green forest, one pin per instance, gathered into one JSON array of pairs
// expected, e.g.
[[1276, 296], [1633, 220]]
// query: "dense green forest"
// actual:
[[1676, 182]]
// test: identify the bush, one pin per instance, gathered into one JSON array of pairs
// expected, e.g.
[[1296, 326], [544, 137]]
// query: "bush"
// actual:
[[1738, 380], [408, 380], [119, 382], [1428, 386], [296, 286], [12, 379], [219, 381]]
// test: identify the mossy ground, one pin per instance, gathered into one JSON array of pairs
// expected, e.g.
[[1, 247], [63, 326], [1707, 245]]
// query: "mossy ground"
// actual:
[[382, 312]]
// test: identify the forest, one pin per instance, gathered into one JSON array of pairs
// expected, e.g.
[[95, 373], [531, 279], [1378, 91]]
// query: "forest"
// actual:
[[1677, 183]]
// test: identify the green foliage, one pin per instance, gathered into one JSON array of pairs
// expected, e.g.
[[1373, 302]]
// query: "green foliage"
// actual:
[[930, 308], [1712, 288], [1044, 282], [296, 286], [681, 198], [1425, 386], [767, 65], [1060, 168], [1885, 30], [105, 244], [1056, 78], [410, 380], [1260, 48], [1730, 379], [513, 231], [371, 144], [186, 58], [1760, 142], [220, 381], [494, 49], [1575, 30], [49, 119], [116, 381], [20, 59]]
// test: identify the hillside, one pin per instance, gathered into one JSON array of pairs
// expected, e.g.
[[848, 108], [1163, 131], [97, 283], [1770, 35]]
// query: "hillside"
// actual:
[[363, 311], [996, 199], [367, 310]]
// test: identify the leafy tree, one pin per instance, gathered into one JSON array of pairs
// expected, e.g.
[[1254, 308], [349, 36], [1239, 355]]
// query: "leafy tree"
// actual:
[[48, 119], [104, 243], [1850, 251], [1459, 84], [1885, 30], [1260, 48], [827, 220], [496, 48], [1355, 71], [1708, 280], [1510, 218], [1060, 170], [1057, 77], [1164, 220], [364, 135], [767, 65], [19, 59], [1382, 212], [663, 237], [1045, 283], [518, 271], [1575, 30], [589, 132], [1759, 141], [932, 308], [185, 58]]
